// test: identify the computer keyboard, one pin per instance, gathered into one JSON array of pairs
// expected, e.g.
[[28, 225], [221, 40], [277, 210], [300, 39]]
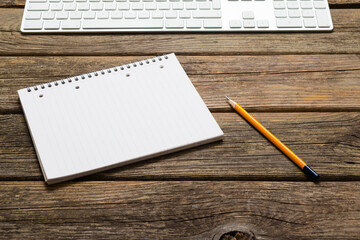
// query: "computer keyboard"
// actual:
[[175, 15]]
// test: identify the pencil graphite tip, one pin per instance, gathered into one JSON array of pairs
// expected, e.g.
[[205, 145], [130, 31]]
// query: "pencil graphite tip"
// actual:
[[231, 102]]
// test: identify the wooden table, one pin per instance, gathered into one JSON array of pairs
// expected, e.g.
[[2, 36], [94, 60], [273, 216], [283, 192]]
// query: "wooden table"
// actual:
[[305, 87]]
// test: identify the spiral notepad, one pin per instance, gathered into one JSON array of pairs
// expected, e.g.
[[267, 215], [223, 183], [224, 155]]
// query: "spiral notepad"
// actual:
[[104, 119]]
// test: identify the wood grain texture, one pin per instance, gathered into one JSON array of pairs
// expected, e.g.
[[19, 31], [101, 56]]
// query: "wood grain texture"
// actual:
[[329, 142], [21, 3], [259, 83], [179, 210], [344, 39], [263, 72]]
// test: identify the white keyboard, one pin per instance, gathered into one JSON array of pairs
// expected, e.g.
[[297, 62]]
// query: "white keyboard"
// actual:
[[175, 15]]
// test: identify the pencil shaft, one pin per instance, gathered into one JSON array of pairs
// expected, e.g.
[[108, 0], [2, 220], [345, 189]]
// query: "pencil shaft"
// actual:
[[298, 161]]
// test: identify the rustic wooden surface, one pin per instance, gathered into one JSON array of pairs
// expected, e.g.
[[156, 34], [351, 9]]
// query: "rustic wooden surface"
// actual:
[[180, 209], [305, 87]]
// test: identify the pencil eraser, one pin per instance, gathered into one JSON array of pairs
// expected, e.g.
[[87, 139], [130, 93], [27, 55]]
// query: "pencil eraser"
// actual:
[[311, 173]]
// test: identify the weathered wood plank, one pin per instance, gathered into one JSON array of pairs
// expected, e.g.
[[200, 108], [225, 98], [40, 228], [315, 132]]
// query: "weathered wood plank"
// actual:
[[329, 142], [332, 3], [259, 83], [179, 210], [344, 39]]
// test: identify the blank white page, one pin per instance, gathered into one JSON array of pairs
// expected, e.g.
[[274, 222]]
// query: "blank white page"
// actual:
[[108, 118]]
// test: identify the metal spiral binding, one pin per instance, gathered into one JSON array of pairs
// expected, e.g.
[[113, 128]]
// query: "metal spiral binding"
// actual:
[[97, 73]]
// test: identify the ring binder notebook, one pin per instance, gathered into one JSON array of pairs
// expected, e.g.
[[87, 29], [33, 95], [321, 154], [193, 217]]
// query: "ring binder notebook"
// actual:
[[111, 117], [102, 72]]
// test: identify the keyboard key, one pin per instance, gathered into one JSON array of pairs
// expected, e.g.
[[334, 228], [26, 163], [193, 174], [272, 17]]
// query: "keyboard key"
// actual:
[[205, 5], [150, 6], [97, 6], [322, 18], [143, 15], [52, 25], [212, 24], [306, 5], [280, 14], [110, 6], [124, 6], [193, 23], [89, 15], [122, 24], [48, 15], [56, 7], [83, 6], [249, 24], [235, 23], [130, 15], [288, 23], [292, 5], [103, 15], [171, 14], [137, 6], [307, 13], [38, 7], [191, 6], [319, 5], [294, 13], [75, 15], [248, 15], [174, 23], [116, 15], [157, 14], [216, 4], [262, 23], [33, 25], [33, 16], [70, 24], [62, 15], [37, 1], [184, 14], [309, 23], [279, 5], [207, 14], [178, 6], [164, 6], [70, 6]]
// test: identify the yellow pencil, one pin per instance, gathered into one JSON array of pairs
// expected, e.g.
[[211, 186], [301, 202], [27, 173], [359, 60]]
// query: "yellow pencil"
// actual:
[[290, 154]]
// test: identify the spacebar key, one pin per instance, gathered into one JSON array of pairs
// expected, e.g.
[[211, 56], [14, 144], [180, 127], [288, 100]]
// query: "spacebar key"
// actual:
[[122, 24]]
